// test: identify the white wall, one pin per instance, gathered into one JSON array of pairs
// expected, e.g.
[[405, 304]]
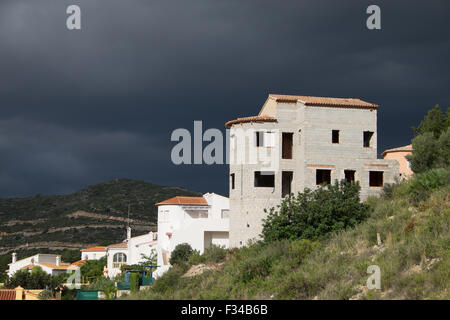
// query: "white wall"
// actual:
[[92, 255]]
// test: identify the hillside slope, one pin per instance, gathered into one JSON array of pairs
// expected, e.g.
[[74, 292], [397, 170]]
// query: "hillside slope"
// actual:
[[413, 256], [94, 215]]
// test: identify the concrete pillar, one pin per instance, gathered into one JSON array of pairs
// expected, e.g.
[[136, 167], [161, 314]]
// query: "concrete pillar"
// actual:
[[19, 293]]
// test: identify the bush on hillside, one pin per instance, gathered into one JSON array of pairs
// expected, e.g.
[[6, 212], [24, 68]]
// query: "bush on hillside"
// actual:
[[181, 254], [212, 254], [315, 214], [423, 184]]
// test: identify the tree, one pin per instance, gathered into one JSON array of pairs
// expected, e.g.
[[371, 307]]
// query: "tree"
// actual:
[[315, 214], [443, 160], [431, 144], [425, 153], [181, 254], [435, 122], [93, 269], [36, 279]]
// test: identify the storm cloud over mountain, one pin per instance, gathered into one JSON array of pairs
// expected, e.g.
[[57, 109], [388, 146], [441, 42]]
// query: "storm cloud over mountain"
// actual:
[[85, 106]]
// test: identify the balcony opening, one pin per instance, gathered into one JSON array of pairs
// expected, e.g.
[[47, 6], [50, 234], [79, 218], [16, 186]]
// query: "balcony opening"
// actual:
[[350, 175], [264, 179], [367, 136], [286, 183], [287, 138], [323, 177], [335, 136], [376, 178], [232, 176]]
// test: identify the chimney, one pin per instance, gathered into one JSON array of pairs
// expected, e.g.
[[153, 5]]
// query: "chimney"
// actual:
[[128, 232], [14, 257], [58, 261]]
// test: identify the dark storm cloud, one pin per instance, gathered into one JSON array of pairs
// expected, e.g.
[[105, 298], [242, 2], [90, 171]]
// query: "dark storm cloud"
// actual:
[[80, 107]]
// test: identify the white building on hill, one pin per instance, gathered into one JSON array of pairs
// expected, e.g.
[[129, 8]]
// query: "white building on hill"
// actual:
[[129, 252], [198, 221], [94, 253], [50, 263]]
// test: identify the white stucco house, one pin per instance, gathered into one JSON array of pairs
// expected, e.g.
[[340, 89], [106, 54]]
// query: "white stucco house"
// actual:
[[50, 263], [198, 221], [94, 253], [129, 252]]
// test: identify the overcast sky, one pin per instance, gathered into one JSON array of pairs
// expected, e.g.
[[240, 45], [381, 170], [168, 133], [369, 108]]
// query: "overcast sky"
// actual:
[[83, 107]]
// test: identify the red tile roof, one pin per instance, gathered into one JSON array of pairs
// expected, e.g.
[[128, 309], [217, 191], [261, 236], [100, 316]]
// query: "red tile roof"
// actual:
[[250, 119], [323, 101], [79, 263], [94, 249], [8, 294], [118, 245], [307, 101], [197, 201], [407, 148]]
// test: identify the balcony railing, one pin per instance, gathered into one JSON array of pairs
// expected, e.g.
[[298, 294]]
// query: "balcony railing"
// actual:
[[117, 265]]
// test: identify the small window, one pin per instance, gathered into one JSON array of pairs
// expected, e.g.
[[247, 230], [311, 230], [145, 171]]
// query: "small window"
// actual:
[[287, 139], [259, 138], [349, 175], [264, 179], [323, 176], [120, 257], [225, 213], [367, 136], [376, 178], [335, 136], [232, 181]]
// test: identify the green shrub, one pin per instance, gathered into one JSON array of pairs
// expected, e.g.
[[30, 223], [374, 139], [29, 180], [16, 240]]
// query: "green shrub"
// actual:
[[46, 294], [134, 282], [422, 184], [214, 254], [315, 214], [181, 254], [168, 281]]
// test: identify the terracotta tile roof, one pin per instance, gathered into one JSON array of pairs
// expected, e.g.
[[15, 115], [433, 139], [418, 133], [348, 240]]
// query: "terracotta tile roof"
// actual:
[[118, 245], [94, 249], [28, 266], [62, 266], [323, 101], [198, 201], [250, 119], [7, 294], [307, 101], [399, 149], [79, 263]]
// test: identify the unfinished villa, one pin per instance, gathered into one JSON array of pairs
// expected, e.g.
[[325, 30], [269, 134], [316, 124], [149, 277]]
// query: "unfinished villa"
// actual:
[[298, 142]]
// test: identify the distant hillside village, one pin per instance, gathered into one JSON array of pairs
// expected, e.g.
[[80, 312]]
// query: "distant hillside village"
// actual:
[[296, 142]]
